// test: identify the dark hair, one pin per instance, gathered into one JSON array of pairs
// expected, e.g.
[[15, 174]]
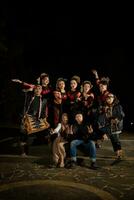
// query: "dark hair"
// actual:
[[78, 112], [104, 81], [43, 75], [61, 79], [76, 78], [87, 82]]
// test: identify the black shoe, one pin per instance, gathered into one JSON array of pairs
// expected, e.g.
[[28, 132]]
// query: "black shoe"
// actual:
[[72, 165], [118, 160], [94, 166], [67, 163]]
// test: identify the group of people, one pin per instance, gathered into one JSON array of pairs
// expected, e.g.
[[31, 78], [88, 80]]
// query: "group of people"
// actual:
[[76, 117]]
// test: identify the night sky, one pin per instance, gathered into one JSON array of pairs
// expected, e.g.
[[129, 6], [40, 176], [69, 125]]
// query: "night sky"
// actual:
[[64, 44]]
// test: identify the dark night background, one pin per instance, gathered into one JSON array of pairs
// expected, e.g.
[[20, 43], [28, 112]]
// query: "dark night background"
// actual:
[[36, 39]]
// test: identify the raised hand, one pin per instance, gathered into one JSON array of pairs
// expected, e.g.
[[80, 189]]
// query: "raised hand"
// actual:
[[16, 80], [94, 71]]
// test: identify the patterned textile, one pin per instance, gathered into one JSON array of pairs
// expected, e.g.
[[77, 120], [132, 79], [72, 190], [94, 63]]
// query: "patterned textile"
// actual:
[[30, 125]]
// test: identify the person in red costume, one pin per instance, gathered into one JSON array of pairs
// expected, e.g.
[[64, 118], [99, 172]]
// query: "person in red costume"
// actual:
[[46, 93], [73, 98]]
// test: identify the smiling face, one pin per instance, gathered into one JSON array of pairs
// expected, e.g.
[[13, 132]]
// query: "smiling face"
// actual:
[[38, 90], [64, 118], [45, 81], [61, 85], [110, 99], [57, 95], [73, 84], [102, 87], [86, 87], [79, 118]]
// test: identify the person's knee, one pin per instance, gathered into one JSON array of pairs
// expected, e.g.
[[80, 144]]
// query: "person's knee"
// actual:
[[72, 144]]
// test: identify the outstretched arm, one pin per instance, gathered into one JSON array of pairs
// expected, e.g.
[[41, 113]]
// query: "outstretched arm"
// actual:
[[25, 85], [17, 80]]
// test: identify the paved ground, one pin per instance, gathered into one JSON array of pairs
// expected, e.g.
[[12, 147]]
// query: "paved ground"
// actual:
[[31, 178]]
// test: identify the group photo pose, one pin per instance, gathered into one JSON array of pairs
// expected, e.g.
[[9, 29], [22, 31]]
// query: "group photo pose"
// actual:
[[73, 114]]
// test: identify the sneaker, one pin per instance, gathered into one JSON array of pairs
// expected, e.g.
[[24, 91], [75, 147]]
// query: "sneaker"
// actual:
[[72, 165], [94, 166], [67, 163], [116, 161]]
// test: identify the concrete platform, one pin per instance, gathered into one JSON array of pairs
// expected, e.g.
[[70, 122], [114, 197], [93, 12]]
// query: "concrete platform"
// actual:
[[31, 178]]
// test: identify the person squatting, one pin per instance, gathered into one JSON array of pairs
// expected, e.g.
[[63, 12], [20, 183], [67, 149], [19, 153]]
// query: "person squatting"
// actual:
[[77, 117]]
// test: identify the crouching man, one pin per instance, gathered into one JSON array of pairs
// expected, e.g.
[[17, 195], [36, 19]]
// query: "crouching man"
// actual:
[[84, 136]]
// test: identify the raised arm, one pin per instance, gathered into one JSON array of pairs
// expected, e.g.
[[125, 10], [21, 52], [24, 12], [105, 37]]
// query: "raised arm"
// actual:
[[26, 86], [17, 81], [94, 71]]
